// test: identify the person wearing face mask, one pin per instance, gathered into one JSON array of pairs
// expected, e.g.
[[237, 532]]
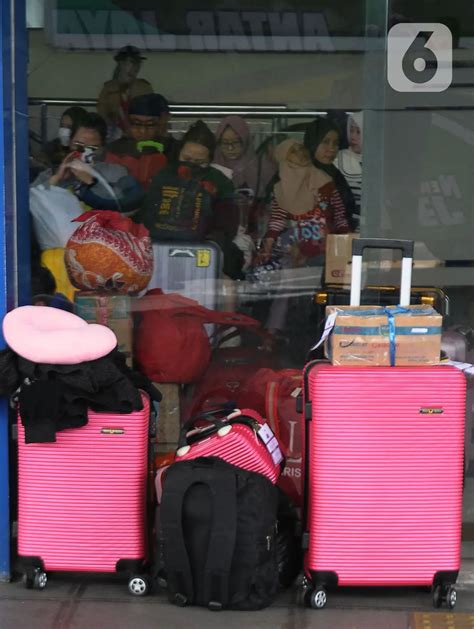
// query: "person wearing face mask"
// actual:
[[307, 202], [145, 149], [57, 149], [115, 95], [191, 200], [349, 162], [97, 184], [86, 182]]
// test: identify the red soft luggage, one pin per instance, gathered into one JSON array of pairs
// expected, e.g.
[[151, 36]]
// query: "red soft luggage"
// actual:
[[384, 471], [82, 499], [281, 392]]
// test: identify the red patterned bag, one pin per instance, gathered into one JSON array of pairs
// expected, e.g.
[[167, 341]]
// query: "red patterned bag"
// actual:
[[109, 252]]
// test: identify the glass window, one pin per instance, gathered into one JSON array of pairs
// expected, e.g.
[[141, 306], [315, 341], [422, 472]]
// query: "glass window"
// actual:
[[319, 124]]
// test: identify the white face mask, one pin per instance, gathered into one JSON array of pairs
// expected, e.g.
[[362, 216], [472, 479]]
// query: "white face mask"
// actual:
[[64, 135]]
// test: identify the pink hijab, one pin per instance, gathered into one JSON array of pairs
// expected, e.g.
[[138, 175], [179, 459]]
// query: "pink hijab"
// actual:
[[245, 169]]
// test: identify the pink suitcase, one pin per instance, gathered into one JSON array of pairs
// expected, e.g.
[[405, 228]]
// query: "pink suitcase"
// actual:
[[242, 438], [82, 499], [384, 474]]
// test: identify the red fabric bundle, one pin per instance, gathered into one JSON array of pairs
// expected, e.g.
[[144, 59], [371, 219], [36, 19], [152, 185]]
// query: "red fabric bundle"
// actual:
[[172, 344], [109, 252]]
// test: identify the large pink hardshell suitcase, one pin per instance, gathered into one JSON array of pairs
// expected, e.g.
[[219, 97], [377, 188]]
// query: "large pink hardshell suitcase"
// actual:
[[82, 499], [384, 449], [385, 469]]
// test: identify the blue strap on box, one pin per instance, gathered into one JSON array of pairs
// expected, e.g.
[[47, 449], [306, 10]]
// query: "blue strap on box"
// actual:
[[391, 312]]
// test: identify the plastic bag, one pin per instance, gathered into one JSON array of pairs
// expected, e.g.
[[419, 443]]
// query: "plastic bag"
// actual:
[[53, 210]]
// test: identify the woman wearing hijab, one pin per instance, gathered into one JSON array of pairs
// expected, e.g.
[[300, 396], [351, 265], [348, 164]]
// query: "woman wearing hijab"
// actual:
[[236, 152], [349, 161], [306, 203], [306, 206]]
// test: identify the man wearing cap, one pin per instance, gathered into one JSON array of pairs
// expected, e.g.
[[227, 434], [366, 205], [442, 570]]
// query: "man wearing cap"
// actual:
[[115, 96], [145, 148]]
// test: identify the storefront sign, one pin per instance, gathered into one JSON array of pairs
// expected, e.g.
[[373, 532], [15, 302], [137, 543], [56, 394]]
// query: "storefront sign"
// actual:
[[210, 26]]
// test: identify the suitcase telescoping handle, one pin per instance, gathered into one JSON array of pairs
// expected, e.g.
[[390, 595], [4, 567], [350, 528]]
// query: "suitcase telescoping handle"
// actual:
[[358, 246]]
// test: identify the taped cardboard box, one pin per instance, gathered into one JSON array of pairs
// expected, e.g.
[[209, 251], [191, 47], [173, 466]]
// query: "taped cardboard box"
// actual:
[[169, 415], [339, 258], [377, 336], [111, 310]]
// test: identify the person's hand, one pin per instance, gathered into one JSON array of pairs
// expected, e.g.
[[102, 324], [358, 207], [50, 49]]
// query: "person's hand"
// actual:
[[266, 251], [82, 174], [63, 170]]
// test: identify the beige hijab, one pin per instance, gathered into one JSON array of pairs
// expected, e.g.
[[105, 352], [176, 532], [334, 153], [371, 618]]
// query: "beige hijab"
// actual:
[[300, 181]]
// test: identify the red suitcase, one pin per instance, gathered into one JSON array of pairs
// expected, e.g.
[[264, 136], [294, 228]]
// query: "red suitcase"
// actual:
[[82, 499], [384, 473]]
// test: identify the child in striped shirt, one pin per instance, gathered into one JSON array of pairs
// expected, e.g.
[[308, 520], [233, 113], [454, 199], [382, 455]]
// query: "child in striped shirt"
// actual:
[[306, 203]]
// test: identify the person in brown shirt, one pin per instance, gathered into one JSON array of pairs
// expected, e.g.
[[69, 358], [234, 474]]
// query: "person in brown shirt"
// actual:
[[115, 96]]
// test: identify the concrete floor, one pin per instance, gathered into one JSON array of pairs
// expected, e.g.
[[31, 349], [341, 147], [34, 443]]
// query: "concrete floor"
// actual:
[[97, 602], [103, 602]]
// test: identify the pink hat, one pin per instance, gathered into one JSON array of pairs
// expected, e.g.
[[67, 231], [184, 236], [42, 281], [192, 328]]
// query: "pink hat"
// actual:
[[53, 336]]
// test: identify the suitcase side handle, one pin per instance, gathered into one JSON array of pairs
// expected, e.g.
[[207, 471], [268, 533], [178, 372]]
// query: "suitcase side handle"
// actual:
[[358, 246]]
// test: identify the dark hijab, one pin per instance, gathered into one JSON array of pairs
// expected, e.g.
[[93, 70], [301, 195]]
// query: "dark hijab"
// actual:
[[314, 135]]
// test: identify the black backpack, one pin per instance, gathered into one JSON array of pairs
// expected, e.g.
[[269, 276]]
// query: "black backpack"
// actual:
[[182, 209], [217, 536]]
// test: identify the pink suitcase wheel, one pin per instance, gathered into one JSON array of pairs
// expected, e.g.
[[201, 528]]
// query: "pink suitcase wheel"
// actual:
[[138, 585], [451, 597], [444, 594], [437, 598], [182, 451], [40, 581], [35, 579], [316, 599]]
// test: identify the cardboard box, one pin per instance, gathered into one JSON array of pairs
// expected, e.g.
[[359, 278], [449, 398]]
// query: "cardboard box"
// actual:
[[361, 336], [111, 310], [339, 258], [169, 415], [101, 307]]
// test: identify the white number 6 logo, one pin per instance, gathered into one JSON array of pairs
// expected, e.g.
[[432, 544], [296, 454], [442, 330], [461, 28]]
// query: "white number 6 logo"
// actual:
[[414, 66]]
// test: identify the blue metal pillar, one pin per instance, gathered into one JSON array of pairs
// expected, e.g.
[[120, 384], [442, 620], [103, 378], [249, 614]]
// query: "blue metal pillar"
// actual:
[[14, 216]]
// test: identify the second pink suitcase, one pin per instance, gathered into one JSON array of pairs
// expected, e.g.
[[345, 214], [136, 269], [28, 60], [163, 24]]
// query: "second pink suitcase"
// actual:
[[384, 450], [82, 499], [384, 478]]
